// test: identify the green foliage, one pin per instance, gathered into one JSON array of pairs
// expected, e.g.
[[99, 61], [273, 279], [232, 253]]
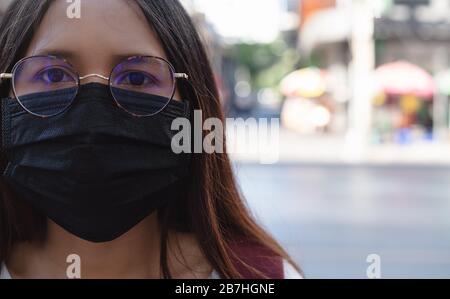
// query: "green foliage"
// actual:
[[267, 63]]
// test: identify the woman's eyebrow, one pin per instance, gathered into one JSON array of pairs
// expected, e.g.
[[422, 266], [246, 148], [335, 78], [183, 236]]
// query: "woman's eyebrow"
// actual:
[[68, 54], [119, 57], [55, 52]]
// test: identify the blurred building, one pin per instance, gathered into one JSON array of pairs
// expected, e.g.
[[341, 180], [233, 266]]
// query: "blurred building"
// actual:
[[335, 38]]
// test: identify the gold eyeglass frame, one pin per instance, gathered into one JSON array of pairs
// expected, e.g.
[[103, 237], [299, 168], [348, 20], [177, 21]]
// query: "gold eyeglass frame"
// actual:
[[10, 76]]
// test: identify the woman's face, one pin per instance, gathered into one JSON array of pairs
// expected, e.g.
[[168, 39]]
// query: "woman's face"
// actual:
[[108, 32]]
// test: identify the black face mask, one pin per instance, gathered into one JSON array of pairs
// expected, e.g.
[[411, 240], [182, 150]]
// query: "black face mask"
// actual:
[[94, 170]]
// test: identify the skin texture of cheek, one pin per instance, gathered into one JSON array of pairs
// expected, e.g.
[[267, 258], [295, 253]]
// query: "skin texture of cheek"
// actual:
[[107, 32]]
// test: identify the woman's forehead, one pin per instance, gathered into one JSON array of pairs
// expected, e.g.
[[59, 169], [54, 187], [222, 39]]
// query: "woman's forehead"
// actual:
[[106, 29]]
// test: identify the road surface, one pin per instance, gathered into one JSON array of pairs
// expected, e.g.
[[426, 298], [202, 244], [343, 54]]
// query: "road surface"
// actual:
[[331, 217]]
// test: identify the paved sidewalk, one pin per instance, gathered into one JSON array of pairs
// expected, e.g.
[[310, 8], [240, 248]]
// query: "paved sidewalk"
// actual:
[[295, 148]]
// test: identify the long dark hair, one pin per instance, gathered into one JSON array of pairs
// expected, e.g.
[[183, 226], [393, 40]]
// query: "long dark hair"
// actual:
[[213, 210]]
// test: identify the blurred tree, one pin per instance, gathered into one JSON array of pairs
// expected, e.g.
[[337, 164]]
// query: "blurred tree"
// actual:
[[266, 63]]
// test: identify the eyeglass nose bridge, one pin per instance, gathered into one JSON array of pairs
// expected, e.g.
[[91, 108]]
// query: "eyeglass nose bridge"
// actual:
[[94, 75]]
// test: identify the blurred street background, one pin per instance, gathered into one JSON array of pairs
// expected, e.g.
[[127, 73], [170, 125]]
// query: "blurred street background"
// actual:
[[362, 90]]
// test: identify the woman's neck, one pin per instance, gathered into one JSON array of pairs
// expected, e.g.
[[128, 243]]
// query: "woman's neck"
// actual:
[[136, 254]]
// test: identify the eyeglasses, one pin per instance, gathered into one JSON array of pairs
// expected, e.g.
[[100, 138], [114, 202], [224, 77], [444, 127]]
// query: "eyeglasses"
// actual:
[[46, 86]]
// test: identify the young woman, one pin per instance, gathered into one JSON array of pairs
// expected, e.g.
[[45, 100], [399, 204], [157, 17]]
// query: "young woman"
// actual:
[[88, 167]]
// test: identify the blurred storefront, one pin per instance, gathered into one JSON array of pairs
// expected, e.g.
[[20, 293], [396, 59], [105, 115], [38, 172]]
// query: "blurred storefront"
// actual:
[[403, 103], [395, 34], [418, 32]]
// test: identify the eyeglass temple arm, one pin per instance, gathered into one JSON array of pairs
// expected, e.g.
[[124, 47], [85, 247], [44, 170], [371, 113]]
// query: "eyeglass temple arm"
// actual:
[[6, 76], [181, 76]]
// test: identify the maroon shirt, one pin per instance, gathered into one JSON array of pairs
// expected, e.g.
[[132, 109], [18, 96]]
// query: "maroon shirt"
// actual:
[[259, 257]]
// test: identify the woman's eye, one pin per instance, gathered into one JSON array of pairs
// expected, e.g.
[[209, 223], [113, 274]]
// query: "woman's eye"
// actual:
[[54, 75], [138, 79]]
